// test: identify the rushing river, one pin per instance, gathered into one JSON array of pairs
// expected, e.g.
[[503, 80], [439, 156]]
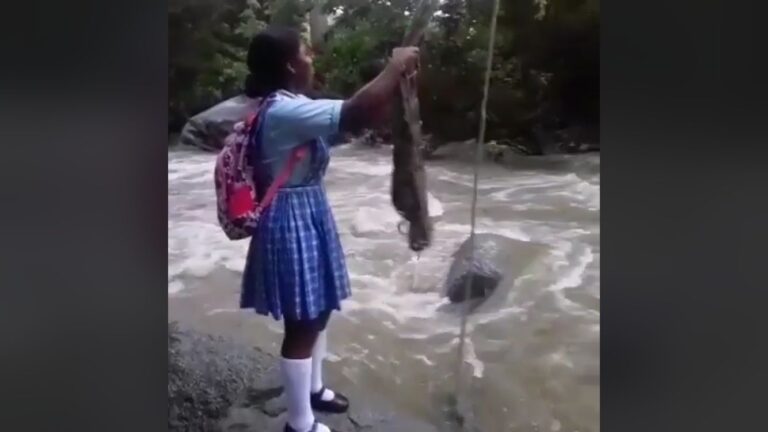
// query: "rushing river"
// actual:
[[533, 351]]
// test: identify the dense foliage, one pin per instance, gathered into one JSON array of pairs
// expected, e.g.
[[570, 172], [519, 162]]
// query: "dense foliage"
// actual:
[[545, 76]]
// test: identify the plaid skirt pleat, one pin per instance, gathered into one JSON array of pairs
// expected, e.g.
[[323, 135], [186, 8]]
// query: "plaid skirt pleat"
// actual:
[[296, 267]]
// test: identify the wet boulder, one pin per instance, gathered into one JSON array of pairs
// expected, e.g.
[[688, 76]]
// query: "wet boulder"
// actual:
[[208, 129], [497, 260], [207, 375]]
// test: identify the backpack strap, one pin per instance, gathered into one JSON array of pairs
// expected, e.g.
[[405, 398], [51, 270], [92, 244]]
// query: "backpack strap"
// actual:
[[250, 124], [296, 156], [251, 118]]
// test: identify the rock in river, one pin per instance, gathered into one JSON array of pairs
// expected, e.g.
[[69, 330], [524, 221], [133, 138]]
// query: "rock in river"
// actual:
[[215, 384], [208, 129], [496, 258]]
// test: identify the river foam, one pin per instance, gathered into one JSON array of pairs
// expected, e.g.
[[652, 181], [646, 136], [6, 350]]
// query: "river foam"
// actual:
[[367, 221]]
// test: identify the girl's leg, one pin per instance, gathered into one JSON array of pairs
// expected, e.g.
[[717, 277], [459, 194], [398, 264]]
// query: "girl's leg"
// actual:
[[319, 352], [324, 399], [318, 356], [299, 340], [300, 337]]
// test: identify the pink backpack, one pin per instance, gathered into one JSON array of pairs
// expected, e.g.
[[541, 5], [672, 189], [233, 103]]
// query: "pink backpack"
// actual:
[[238, 204]]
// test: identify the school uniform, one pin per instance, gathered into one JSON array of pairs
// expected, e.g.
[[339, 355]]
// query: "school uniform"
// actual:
[[295, 267]]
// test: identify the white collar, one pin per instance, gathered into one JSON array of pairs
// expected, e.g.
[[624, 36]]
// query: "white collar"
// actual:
[[290, 95]]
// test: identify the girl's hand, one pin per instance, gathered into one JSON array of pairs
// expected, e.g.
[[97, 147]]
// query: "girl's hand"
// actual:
[[404, 59]]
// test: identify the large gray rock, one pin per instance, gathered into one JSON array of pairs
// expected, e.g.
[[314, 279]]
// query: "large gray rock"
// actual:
[[496, 260], [218, 385], [207, 375], [208, 129]]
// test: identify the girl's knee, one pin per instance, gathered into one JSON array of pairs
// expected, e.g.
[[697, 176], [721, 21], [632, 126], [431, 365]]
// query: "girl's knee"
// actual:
[[301, 335]]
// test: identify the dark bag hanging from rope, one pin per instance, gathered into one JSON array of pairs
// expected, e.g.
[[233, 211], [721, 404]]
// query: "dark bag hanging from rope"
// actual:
[[409, 180]]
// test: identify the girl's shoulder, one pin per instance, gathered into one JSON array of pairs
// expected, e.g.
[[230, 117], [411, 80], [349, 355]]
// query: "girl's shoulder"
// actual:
[[284, 101], [302, 118], [284, 105]]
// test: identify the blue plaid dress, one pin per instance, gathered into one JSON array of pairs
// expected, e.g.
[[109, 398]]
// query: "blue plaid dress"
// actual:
[[295, 267]]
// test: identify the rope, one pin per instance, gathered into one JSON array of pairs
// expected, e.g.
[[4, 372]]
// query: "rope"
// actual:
[[473, 213]]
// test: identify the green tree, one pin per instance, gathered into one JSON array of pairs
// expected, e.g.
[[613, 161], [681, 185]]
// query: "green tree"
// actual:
[[290, 13], [208, 40], [545, 75]]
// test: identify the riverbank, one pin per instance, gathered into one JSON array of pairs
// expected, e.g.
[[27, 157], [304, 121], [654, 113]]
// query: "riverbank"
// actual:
[[216, 384]]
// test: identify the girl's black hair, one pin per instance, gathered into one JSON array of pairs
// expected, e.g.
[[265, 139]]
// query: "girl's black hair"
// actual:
[[268, 54]]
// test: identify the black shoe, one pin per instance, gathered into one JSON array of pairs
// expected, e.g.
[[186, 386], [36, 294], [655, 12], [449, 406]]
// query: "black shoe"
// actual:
[[288, 428], [339, 404]]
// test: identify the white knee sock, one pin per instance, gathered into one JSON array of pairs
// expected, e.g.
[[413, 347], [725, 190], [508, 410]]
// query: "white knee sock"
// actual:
[[318, 355], [297, 375]]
